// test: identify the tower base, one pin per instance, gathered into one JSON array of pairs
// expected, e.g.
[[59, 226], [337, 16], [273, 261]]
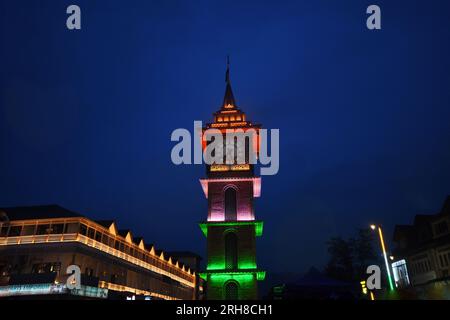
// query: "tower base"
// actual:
[[232, 285]]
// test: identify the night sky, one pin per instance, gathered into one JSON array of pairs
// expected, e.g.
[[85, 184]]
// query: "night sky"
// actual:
[[364, 116]]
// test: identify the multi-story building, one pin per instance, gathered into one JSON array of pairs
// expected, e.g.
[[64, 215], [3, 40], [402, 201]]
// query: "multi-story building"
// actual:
[[230, 187], [423, 249], [37, 244]]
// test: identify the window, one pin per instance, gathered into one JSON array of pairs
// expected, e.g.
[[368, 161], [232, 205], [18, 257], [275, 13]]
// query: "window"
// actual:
[[14, 231], [4, 230], [5, 269], [28, 230], [441, 228], [71, 228], [105, 239], [231, 290], [114, 278], [230, 204], [91, 233], [231, 251], [48, 267], [43, 229], [57, 228], [247, 149], [98, 236], [89, 272], [83, 229], [445, 264]]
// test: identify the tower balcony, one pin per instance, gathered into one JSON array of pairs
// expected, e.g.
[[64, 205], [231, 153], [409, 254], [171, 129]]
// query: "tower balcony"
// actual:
[[258, 225], [234, 274]]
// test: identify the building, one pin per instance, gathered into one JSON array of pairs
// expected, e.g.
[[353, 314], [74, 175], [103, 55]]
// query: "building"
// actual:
[[191, 260], [422, 251], [38, 243], [231, 228]]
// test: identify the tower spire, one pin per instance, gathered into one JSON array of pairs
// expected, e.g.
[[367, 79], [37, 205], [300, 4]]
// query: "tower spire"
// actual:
[[228, 100]]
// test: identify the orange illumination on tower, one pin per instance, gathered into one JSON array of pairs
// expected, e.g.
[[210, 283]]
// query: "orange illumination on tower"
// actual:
[[230, 187]]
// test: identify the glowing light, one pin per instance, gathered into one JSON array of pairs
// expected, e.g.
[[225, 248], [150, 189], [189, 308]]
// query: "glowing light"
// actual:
[[222, 167], [256, 184], [229, 124], [228, 111], [383, 247], [166, 269], [363, 287], [257, 223], [372, 297], [373, 227], [51, 289], [247, 263], [260, 275], [120, 288], [219, 168], [237, 124], [244, 264], [235, 276], [240, 167], [219, 125], [243, 277]]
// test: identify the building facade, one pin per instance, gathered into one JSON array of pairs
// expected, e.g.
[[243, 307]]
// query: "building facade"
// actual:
[[423, 250], [37, 244], [231, 187]]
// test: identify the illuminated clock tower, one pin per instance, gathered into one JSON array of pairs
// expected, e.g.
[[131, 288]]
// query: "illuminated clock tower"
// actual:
[[231, 228]]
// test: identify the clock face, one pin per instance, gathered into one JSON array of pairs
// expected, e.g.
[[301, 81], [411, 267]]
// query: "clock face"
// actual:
[[234, 152], [241, 153], [230, 156]]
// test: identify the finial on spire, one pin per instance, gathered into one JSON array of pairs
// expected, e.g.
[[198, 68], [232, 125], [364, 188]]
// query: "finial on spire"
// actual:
[[227, 76], [228, 100]]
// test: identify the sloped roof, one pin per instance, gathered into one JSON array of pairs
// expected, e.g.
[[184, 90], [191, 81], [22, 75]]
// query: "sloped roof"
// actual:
[[38, 212]]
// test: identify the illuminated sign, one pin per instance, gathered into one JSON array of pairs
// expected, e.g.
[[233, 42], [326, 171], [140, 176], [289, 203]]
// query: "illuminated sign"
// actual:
[[51, 288]]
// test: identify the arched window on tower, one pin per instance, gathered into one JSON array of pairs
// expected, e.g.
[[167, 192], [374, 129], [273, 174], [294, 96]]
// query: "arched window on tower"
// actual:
[[231, 290], [231, 251], [247, 149], [230, 204]]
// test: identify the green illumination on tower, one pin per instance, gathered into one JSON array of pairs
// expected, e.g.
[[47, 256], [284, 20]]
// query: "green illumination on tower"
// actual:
[[257, 224], [231, 228]]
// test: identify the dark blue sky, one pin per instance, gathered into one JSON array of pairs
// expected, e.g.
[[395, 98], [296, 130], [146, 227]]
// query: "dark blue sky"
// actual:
[[364, 117]]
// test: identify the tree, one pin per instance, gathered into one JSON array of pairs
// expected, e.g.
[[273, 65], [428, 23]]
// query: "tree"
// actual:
[[363, 252], [350, 258], [340, 265]]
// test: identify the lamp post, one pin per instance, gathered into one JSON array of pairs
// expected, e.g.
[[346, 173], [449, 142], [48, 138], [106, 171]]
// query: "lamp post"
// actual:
[[383, 247]]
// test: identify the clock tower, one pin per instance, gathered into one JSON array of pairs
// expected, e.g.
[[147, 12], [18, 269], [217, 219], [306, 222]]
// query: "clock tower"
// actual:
[[230, 187]]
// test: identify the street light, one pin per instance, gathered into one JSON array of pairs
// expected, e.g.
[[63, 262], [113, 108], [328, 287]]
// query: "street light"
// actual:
[[383, 247]]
